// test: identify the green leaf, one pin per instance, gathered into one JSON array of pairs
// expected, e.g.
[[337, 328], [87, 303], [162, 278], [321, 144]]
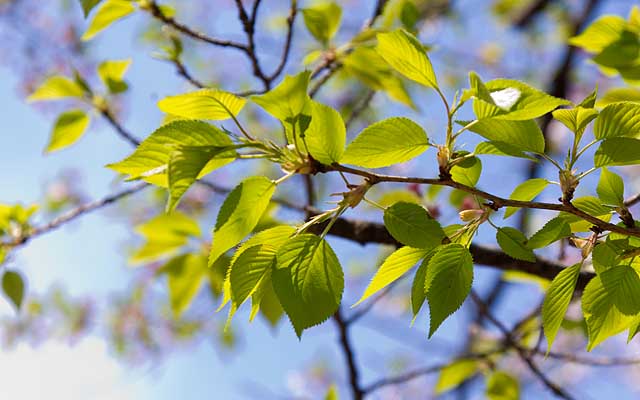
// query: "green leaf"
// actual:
[[576, 119], [332, 393], [467, 171], [240, 213], [554, 230], [112, 74], [618, 120], [523, 135], [407, 56], [501, 149], [557, 300], [602, 298], [164, 234], [55, 88], [69, 127], [387, 142], [287, 100], [617, 151], [513, 242], [185, 275], [502, 386], [610, 188], [322, 20], [109, 12], [591, 205], [326, 135], [448, 282], [616, 95], [308, 280], [418, 293], [249, 269], [13, 287], [186, 164], [514, 101], [411, 225], [150, 160], [455, 373], [394, 267], [209, 104], [88, 5], [526, 191], [600, 33]]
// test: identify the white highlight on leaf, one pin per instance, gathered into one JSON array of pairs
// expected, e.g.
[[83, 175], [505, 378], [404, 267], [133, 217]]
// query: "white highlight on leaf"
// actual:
[[506, 98]]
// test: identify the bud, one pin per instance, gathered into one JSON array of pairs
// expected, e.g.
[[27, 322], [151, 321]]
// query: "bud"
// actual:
[[471, 215], [356, 194], [568, 184], [444, 155]]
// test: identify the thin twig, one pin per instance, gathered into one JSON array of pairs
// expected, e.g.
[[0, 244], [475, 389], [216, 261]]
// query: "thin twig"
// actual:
[[357, 392]]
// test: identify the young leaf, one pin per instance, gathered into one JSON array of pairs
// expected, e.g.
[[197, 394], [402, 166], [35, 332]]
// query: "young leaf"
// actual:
[[68, 128], [150, 160], [240, 213], [610, 188], [308, 280], [55, 88], [455, 373], [523, 135], [249, 269], [287, 100], [600, 33], [418, 293], [185, 276], [407, 55], [512, 242], [526, 191], [326, 135], [467, 172], [391, 141], [396, 265], [13, 287], [164, 234], [501, 149], [576, 119], [502, 386], [112, 73], [618, 120], [322, 20], [210, 104], [617, 151], [557, 300], [88, 5], [107, 13], [554, 230], [448, 282], [411, 225]]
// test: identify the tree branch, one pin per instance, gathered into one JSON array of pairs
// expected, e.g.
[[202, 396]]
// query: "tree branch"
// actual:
[[347, 348]]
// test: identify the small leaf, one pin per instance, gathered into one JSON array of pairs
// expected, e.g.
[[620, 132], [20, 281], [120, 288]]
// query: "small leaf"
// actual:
[[522, 135], [326, 135], [576, 119], [322, 20], [526, 191], [13, 287], [554, 230], [185, 275], [308, 280], [107, 13], [55, 88], [501, 149], [112, 74], [455, 373], [557, 300], [448, 282], [617, 151], [502, 386], [512, 242], [391, 141], [287, 100], [88, 5], [618, 120], [394, 267], [240, 213], [69, 127], [467, 171], [411, 225], [249, 269], [210, 104], [600, 33], [610, 188], [165, 234], [407, 56]]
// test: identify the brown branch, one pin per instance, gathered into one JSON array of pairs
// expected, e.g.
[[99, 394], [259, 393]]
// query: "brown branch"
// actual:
[[182, 70], [287, 43], [249, 26], [120, 130], [347, 348]]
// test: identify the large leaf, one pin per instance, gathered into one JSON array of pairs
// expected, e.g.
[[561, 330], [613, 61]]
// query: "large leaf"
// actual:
[[608, 300], [455, 373], [112, 74], [211, 104], [448, 282], [164, 234], [286, 101], [610, 188], [150, 160], [407, 55], [68, 128], [13, 287], [521, 135], [322, 20], [618, 119], [557, 300], [513, 243], [107, 13], [326, 135], [55, 88], [240, 213], [526, 191], [391, 141], [394, 267], [617, 151], [411, 225], [185, 275], [308, 280]]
